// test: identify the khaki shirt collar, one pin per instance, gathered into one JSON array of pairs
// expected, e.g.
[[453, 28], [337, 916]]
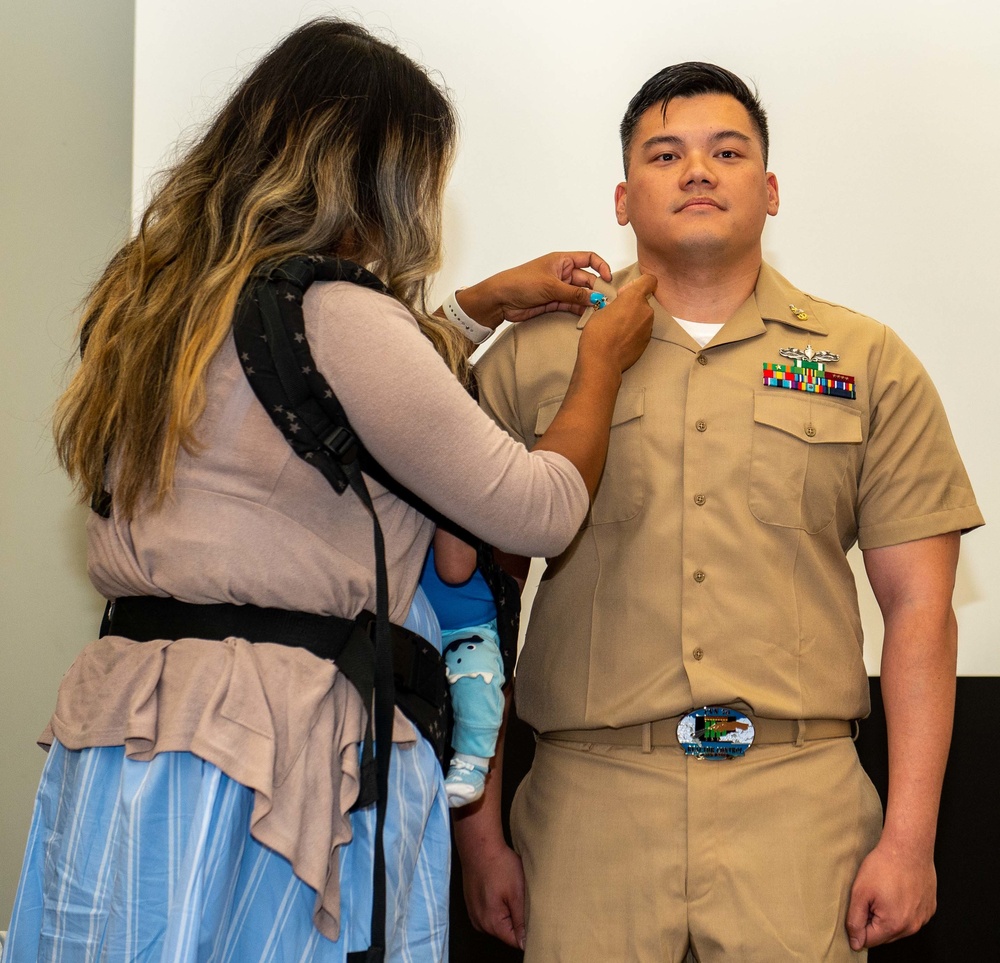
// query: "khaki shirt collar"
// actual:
[[771, 300]]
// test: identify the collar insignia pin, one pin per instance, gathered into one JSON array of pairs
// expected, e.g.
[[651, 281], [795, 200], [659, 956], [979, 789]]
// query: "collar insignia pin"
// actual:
[[799, 313]]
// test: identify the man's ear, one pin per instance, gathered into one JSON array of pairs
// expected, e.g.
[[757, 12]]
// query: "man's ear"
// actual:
[[772, 194], [621, 203]]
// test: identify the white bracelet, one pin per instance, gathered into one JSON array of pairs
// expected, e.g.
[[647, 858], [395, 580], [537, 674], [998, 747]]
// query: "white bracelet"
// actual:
[[477, 333]]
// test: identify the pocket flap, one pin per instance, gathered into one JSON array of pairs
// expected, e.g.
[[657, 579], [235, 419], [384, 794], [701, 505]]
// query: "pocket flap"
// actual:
[[808, 418], [628, 405]]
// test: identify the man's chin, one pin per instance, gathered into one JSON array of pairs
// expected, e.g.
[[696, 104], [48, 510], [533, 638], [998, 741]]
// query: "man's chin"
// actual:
[[697, 250], [702, 246]]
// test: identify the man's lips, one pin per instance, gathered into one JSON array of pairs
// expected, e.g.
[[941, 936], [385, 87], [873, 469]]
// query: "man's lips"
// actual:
[[699, 202]]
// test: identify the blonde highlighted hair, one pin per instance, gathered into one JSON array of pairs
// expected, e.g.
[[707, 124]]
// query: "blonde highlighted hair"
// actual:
[[336, 143]]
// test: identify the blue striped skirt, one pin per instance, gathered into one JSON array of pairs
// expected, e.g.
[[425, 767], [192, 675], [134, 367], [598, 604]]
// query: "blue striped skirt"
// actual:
[[150, 862]]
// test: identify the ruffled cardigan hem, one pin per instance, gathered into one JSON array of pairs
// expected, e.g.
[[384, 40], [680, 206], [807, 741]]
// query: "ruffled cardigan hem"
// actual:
[[294, 742]]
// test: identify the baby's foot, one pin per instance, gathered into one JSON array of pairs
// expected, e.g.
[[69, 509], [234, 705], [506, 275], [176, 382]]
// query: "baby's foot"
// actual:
[[465, 781]]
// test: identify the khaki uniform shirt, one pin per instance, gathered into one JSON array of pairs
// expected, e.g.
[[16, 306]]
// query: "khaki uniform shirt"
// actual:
[[711, 569]]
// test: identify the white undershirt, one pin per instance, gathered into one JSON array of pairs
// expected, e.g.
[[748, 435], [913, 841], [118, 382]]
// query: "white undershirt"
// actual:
[[700, 331]]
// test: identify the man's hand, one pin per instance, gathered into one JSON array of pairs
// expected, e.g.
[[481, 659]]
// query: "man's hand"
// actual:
[[893, 896], [494, 894]]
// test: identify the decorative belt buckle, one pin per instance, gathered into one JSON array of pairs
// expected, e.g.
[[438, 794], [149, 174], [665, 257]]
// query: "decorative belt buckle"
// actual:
[[715, 732]]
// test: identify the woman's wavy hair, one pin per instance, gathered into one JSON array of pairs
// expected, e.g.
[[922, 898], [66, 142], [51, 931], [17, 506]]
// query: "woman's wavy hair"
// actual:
[[336, 143]]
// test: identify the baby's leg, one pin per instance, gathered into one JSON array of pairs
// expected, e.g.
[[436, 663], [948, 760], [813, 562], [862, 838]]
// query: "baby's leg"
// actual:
[[475, 675]]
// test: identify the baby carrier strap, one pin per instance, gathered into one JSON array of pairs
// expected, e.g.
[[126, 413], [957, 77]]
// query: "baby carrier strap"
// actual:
[[269, 331], [270, 335], [507, 598]]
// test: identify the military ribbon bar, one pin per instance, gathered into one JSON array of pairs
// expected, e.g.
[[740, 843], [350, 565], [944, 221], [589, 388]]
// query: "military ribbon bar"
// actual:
[[810, 376]]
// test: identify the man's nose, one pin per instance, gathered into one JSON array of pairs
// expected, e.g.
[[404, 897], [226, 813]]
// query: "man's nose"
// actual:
[[697, 170]]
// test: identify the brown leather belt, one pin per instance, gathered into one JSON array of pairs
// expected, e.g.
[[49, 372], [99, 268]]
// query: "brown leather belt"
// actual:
[[663, 732]]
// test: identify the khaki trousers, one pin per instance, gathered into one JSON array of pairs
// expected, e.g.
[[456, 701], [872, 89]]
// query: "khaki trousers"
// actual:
[[647, 857]]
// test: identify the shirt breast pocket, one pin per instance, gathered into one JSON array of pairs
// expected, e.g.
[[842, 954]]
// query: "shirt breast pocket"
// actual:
[[802, 448], [621, 491]]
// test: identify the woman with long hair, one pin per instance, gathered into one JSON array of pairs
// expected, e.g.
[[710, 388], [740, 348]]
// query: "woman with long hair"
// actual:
[[199, 800]]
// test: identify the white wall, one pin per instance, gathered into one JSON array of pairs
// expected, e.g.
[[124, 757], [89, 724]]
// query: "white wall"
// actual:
[[884, 135], [65, 173]]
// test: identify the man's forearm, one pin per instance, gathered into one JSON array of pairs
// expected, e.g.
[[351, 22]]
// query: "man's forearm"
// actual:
[[894, 892], [478, 827], [913, 584], [918, 690], [492, 874]]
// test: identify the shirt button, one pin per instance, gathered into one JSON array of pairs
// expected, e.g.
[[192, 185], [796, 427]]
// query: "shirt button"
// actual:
[[699, 499], [699, 654], [701, 425], [702, 360], [699, 576], [810, 431]]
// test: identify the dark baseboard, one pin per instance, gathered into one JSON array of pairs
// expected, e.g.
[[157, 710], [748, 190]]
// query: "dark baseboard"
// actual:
[[967, 923]]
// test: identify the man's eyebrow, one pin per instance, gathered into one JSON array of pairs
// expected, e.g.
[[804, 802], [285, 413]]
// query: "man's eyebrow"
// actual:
[[672, 140], [663, 139], [731, 135]]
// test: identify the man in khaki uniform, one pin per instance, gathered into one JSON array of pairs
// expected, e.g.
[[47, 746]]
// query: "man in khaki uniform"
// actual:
[[762, 433]]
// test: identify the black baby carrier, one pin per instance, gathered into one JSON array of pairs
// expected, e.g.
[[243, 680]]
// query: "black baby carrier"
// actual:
[[387, 664], [398, 667]]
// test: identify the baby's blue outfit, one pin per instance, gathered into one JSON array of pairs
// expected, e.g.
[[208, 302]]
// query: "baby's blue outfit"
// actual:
[[475, 667]]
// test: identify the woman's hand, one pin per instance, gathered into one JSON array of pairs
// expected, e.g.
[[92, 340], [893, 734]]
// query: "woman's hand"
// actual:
[[619, 333], [612, 341], [561, 281]]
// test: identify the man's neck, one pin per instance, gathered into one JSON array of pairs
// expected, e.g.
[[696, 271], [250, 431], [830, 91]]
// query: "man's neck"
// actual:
[[703, 292]]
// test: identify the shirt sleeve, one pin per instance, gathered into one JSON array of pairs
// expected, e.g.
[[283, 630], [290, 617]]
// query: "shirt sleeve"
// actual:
[[420, 424], [913, 484], [497, 383]]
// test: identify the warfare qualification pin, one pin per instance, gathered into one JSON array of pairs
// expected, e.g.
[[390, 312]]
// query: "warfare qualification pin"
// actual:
[[808, 354], [715, 732]]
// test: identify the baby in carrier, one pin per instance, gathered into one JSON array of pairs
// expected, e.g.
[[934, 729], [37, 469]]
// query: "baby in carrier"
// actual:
[[470, 645]]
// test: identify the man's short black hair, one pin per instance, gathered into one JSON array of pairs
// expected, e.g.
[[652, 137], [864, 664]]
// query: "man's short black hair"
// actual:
[[689, 80]]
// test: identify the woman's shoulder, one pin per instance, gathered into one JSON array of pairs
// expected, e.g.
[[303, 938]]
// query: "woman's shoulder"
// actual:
[[354, 330], [349, 304]]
